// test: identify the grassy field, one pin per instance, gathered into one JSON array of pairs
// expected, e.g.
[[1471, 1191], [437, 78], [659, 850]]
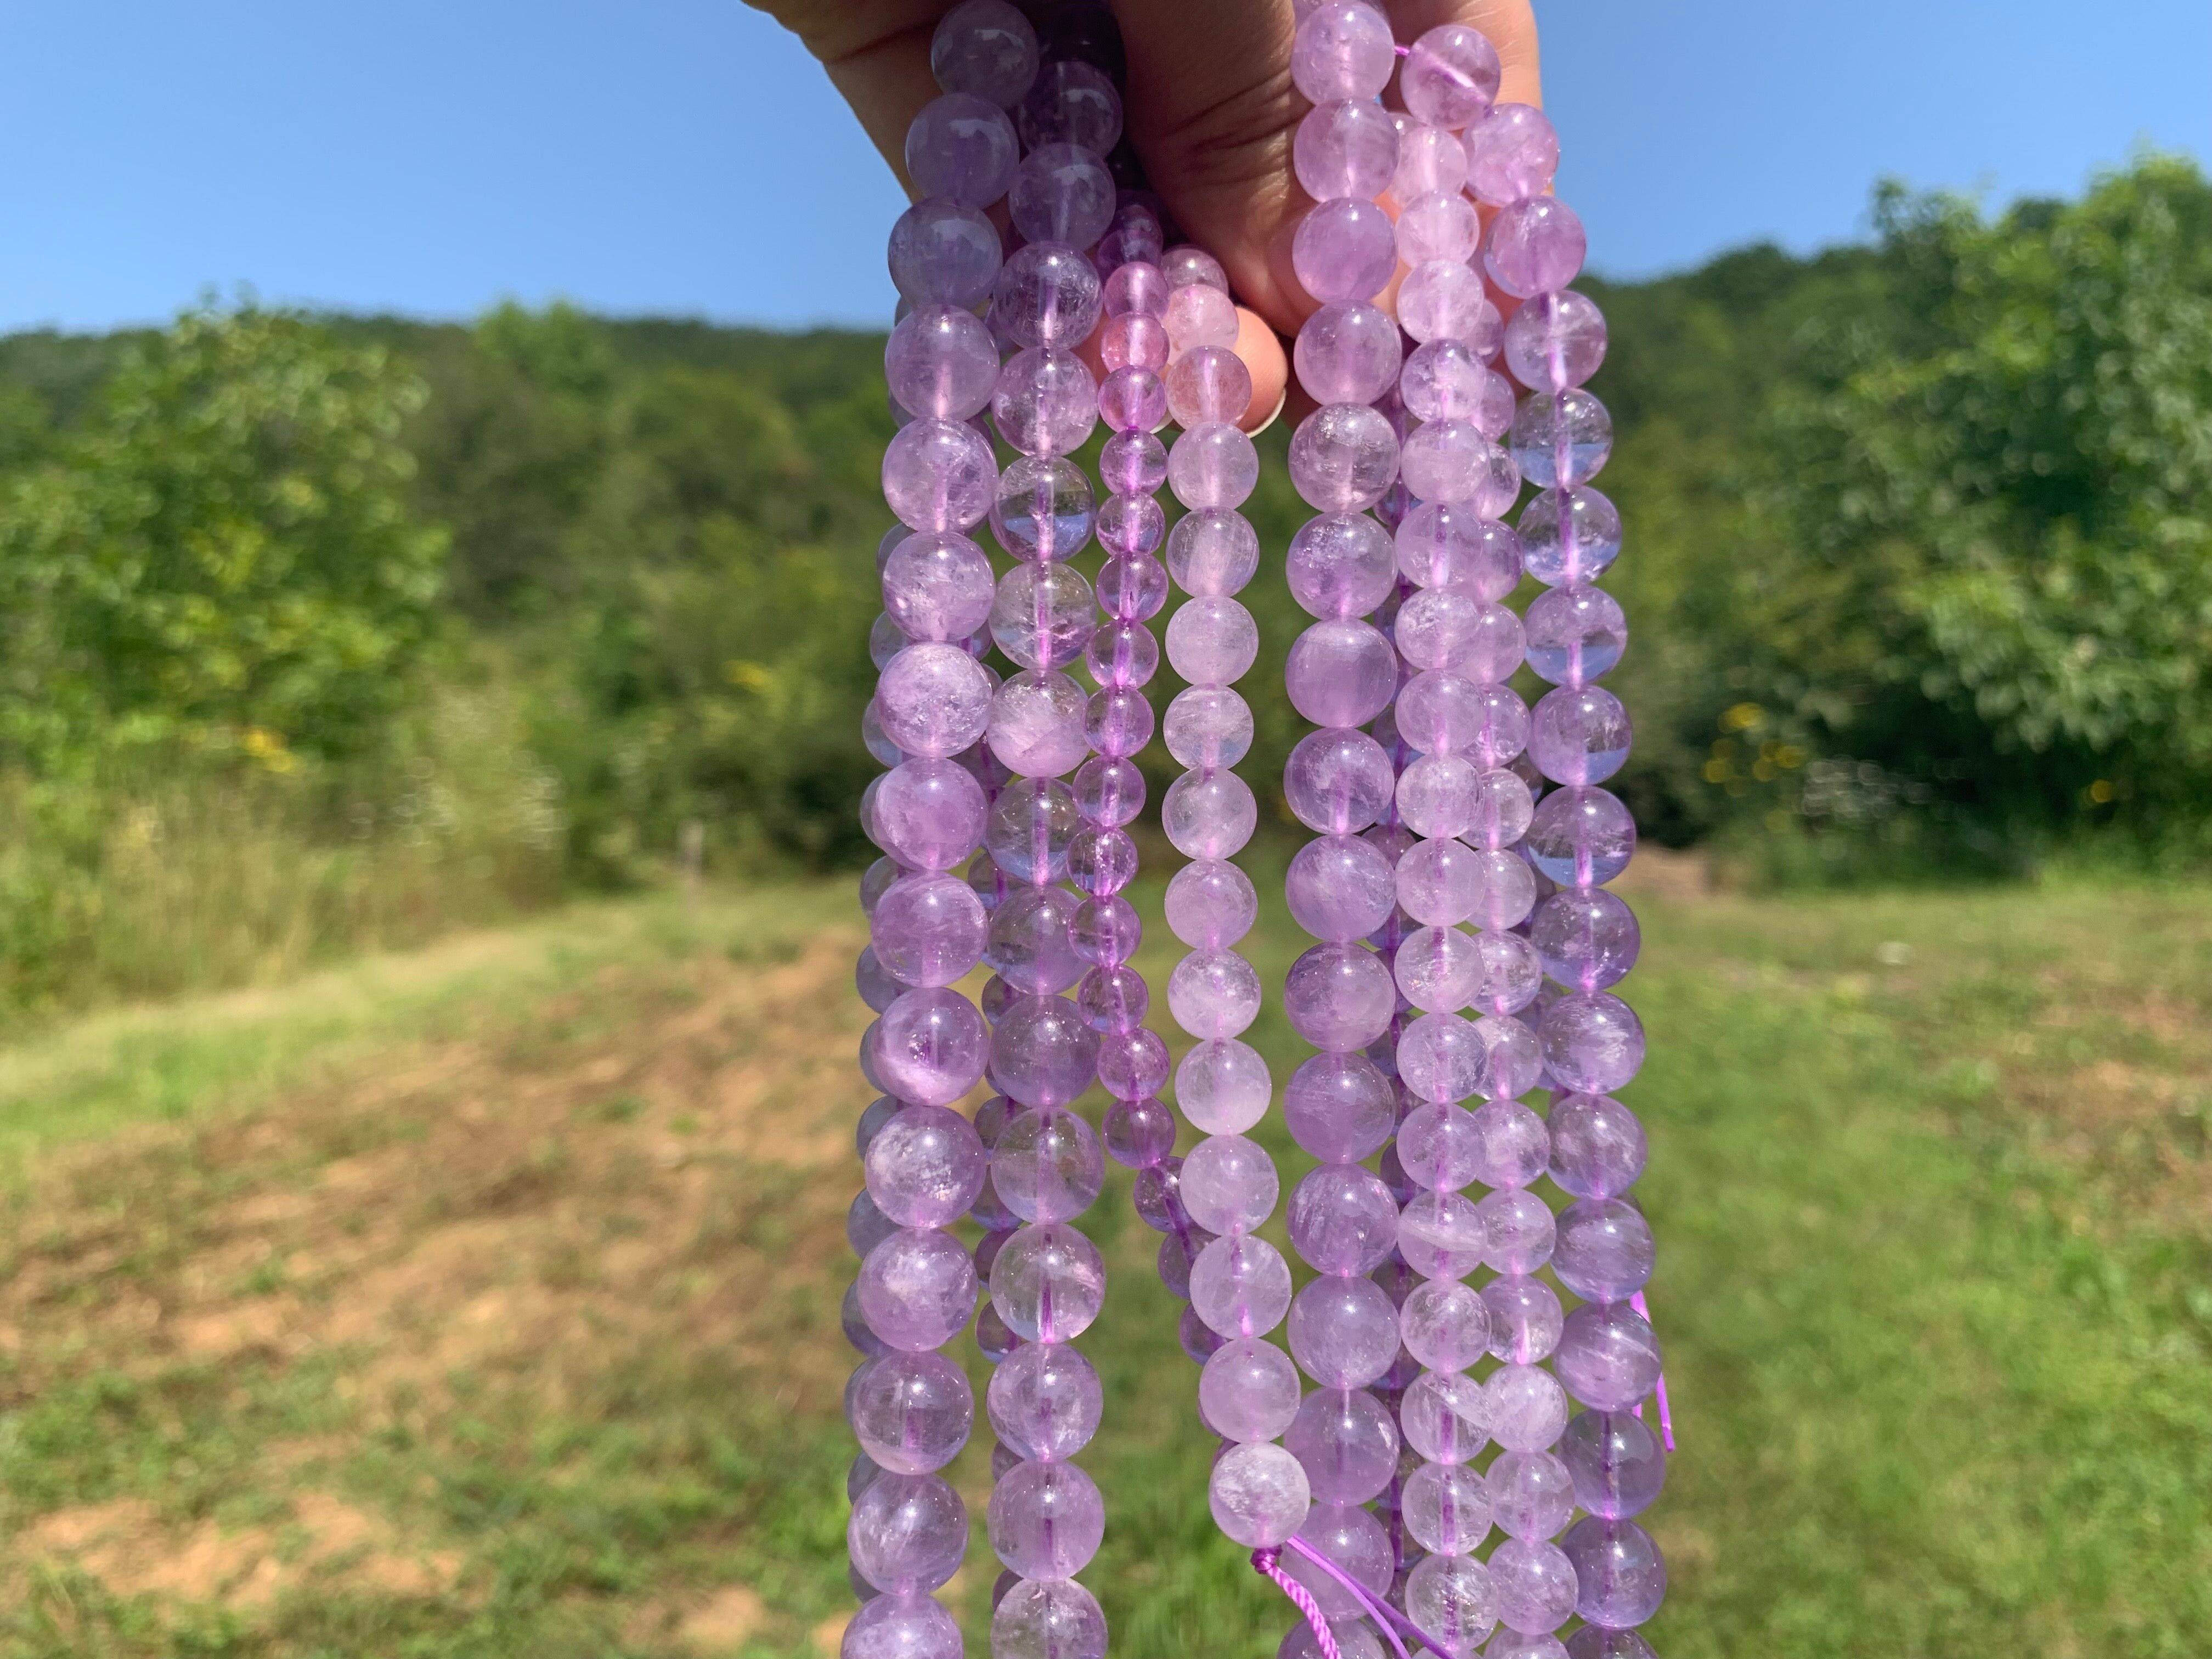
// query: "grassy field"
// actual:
[[482, 1302]]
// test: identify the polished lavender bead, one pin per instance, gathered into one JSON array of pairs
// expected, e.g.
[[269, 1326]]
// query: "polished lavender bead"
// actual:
[[1072, 102], [1061, 193], [1593, 1041], [1555, 341], [1345, 148], [925, 1168], [1622, 1578], [1045, 1401], [1561, 439], [1449, 1599], [1048, 295], [1571, 536], [909, 1627], [1047, 1519], [917, 1291], [940, 361], [938, 475], [1443, 300], [944, 252], [1346, 354], [1049, 1283], [1048, 1619], [931, 1047], [1248, 1390], [1259, 1494], [962, 147], [1616, 1462], [1525, 1319], [1344, 249], [1344, 1436], [1581, 837], [1535, 246], [1342, 50], [986, 47], [1343, 1220], [1576, 635], [911, 1412], [1512, 156], [1047, 403], [1450, 79], [1597, 1146]]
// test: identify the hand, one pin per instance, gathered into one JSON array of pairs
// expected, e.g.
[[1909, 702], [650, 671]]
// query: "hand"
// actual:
[[1210, 112]]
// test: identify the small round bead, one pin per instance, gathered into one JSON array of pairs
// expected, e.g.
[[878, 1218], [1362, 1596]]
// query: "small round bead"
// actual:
[[910, 1626], [908, 1532], [986, 47], [1339, 1106], [1593, 1041], [1046, 1520], [1445, 1325], [917, 1291], [1212, 553], [928, 930], [1241, 1286], [1450, 1598], [1210, 905], [1049, 1283], [1535, 246], [944, 252], [1338, 781], [938, 475], [1561, 439], [1446, 1508], [1570, 536], [1444, 546], [1045, 1401], [1345, 1441], [1343, 1220], [1511, 154], [1347, 147], [1581, 837], [1340, 565], [924, 1169], [1451, 76], [1047, 295], [1527, 1408], [1622, 1579], [1199, 314], [1061, 193], [1443, 300], [1209, 815], [1438, 226], [1342, 50], [1049, 1619], [1347, 250], [1072, 102], [963, 148], [1597, 1146], [1525, 1319], [1446, 1416], [1258, 1495], [911, 1412], [1616, 1462], [1556, 341], [1043, 616], [1339, 889], [1340, 673], [1346, 354], [1221, 1085], [1213, 994], [1208, 726], [1047, 403], [1213, 466], [1036, 723], [1339, 997]]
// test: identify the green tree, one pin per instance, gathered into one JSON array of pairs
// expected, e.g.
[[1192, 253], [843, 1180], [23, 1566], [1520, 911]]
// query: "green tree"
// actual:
[[1987, 584], [222, 556]]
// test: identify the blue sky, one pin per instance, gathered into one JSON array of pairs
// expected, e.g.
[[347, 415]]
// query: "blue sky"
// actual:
[[431, 156]]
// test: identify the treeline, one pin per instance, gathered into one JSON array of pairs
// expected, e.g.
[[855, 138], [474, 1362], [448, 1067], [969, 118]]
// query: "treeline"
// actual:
[[1919, 578]]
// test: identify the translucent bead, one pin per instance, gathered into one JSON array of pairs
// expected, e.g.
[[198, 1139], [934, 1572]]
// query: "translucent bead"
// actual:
[[937, 587], [1072, 102], [1043, 1052], [1441, 1058], [1343, 1220], [1515, 1145], [1344, 1333], [1343, 457], [1446, 380], [912, 1626], [1208, 385], [1438, 226], [1344, 249], [877, 987], [1437, 1146], [1588, 938], [1212, 553], [1046, 1520], [1450, 77], [1046, 403], [1574, 538], [1213, 642], [1339, 997], [1258, 1495], [1562, 438], [917, 1290], [1049, 1619], [1616, 1462], [1535, 1582], [1030, 828], [1248, 1390], [1555, 341], [1446, 1507], [1345, 1440], [1511, 974], [1043, 615], [1512, 1645], [1352, 1541], [1223, 1087], [1048, 1165], [986, 47], [1576, 635], [928, 930], [1347, 147], [1036, 726], [1339, 1106], [1451, 461], [1450, 1600], [1213, 466], [962, 147], [1209, 815], [1512, 156], [1061, 193], [1341, 566], [1229, 1183], [940, 361], [1519, 1231], [1430, 159], [1437, 794], [1131, 1064], [908, 1532], [1188, 266], [1208, 726], [1597, 1146], [1525, 1319], [1440, 1235], [1517, 1059], [1210, 905], [1339, 889], [1436, 969], [1440, 545], [1136, 289], [1214, 994], [1118, 721], [1346, 354], [929, 814], [1338, 781], [1446, 1416], [1049, 1283], [1444, 299], [1048, 295], [944, 252], [1110, 791], [1339, 673], [1437, 882], [1133, 400], [1045, 1401], [1042, 508], [1199, 314], [1445, 1325], [1241, 1286], [938, 475], [1605, 1249], [1534, 246], [1621, 1577], [924, 1169], [1526, 1408], [1132, 340], [1593, 1041], [911, 1412], [1342, 50], [1121, 653], [1532, 1496], [1581, 837]]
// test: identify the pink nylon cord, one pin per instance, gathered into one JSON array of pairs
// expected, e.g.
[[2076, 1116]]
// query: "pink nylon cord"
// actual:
[[1665, 1417], [1397, 1628], [1264, 1562]]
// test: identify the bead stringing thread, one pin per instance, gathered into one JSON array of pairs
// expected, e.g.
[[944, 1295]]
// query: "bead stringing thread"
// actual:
[[1438, 803]]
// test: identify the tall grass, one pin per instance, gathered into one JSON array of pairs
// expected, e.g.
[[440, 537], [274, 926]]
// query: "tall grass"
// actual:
[[163, 876]]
